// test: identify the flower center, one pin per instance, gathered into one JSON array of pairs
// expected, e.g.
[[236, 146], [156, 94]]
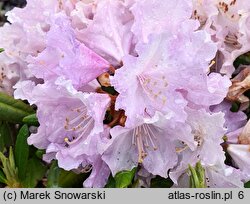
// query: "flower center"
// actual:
[[81, 125], [154, 87], [232, 41], [143, 137], [198, 136]]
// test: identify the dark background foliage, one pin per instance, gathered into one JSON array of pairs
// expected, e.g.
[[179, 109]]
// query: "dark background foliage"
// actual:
[[6, 5]]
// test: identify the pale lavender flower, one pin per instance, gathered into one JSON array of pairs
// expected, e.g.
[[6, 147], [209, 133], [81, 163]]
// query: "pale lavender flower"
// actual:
[[240, 154], [207, 130], [71, 125], [159, 16], [151, 142], [66, 56], [109, 34], [226, 21], [233, 120], [165, 67]]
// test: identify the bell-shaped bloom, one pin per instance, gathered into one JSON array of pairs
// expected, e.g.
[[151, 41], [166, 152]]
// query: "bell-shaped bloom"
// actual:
[[151, 142], [165, 67], [207, 130], [71, 122], [66, 56]]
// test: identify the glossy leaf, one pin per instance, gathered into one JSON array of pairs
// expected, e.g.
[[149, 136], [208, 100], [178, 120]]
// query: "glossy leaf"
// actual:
[[2, 177], [13, 110], [242, 60], [22, 151], [5, 136], [247, 185], [31, 120], [35, 172], [53, 176], [39, 153], [159, 182], [111, 182], [69, 179], [59, 178], [124, 178]]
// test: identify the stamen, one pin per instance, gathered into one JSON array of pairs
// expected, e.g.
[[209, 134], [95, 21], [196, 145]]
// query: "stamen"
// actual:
[[211, 64], [87, 168], [181, 149], [143, 137], [232, 40], [80, 125], [154, 87]]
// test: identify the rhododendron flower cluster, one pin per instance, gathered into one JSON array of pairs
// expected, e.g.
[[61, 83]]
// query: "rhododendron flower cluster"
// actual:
[[120, 84]]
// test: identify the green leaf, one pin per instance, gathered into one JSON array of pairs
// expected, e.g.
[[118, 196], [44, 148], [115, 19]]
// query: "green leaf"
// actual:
[[5, 136], [1, 50], [9, 169], [12, 110], [111, 182], [242, 60], [124, 178], [2, 177], [35, 172], [159, 182], [59, 178], [247, 185], [31, 120], [53, 176], [69, 179], [39, 153], [22, 151]]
